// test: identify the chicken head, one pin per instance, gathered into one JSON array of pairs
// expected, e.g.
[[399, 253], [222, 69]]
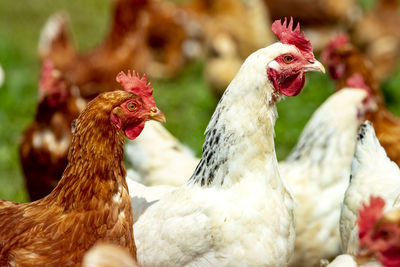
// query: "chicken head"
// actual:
[[286, 71], [131, 115]]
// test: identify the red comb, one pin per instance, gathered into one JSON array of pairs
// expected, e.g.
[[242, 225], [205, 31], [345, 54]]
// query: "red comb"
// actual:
[[357, 81], [340, 40], [46, 78], [369, 215], [287, 35], [139, 86], [52, 85]]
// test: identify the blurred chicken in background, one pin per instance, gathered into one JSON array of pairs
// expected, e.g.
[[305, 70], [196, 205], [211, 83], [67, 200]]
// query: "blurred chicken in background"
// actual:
[[344, 60], [233, 29], [151, 36], [45, 142], [377, 34]]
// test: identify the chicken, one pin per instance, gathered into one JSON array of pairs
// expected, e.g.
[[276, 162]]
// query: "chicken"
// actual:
[[45, 142], [158, 158], [378, 233], [91, 202], [317, 171], [152, 36], [235, 207], [344, 60], [372, 173], [376, 32], [313, 180], [88, 71], [108, 255], [233, 30]]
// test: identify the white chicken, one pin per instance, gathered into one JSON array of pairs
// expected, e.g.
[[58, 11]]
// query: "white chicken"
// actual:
[[317, 171], [158, 158], [372, 174], [236, 209]]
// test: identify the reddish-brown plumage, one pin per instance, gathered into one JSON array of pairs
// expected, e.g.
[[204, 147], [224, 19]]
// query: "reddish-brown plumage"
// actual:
[[145, 34], [90, 203], [343, 61], [45, 142]]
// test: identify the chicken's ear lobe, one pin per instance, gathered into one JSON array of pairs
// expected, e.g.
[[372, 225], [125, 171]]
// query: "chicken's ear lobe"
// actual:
[[369, 214], [55, 37], [115, 119]]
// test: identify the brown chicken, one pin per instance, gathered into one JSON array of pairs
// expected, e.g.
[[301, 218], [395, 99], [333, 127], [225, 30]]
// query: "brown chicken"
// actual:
[[377, 34], [344, 60], [149, 35], [233, 30], [91, 202], [44, 147]]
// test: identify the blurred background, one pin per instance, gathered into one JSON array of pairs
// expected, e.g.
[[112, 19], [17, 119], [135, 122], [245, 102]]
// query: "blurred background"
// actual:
[[189, 49]]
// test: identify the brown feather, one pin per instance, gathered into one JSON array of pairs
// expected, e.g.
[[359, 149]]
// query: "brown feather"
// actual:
[[58, 229]]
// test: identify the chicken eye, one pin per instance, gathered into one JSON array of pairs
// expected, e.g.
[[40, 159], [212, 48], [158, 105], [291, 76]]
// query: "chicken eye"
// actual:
[[131, 106], [287, 59], [385, 234]]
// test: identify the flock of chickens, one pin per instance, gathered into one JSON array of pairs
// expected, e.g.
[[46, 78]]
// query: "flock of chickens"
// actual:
[[334, 201]]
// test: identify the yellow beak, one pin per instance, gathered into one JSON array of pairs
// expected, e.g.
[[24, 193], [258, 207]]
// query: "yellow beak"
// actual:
[[316, 66], [157, 115]]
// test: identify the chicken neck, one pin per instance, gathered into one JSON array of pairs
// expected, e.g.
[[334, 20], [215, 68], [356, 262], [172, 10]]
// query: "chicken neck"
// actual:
[[240, 133], [95, 167]]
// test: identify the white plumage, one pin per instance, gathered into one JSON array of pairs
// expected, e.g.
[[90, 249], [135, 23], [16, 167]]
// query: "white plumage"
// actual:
[[235, 210], [372, 173], [158, 158], [343, 261], [346, 260], [318, 171]]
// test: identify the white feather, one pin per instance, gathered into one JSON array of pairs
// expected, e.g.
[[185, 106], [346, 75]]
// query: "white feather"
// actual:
[[373, 174], [244, 216], [318, 172]]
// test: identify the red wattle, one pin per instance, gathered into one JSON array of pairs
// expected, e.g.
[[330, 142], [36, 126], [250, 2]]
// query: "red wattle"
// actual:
[[293, 85], [133, 131]]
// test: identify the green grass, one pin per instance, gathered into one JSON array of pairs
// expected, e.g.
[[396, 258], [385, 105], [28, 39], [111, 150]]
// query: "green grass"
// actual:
[[186, 100]]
